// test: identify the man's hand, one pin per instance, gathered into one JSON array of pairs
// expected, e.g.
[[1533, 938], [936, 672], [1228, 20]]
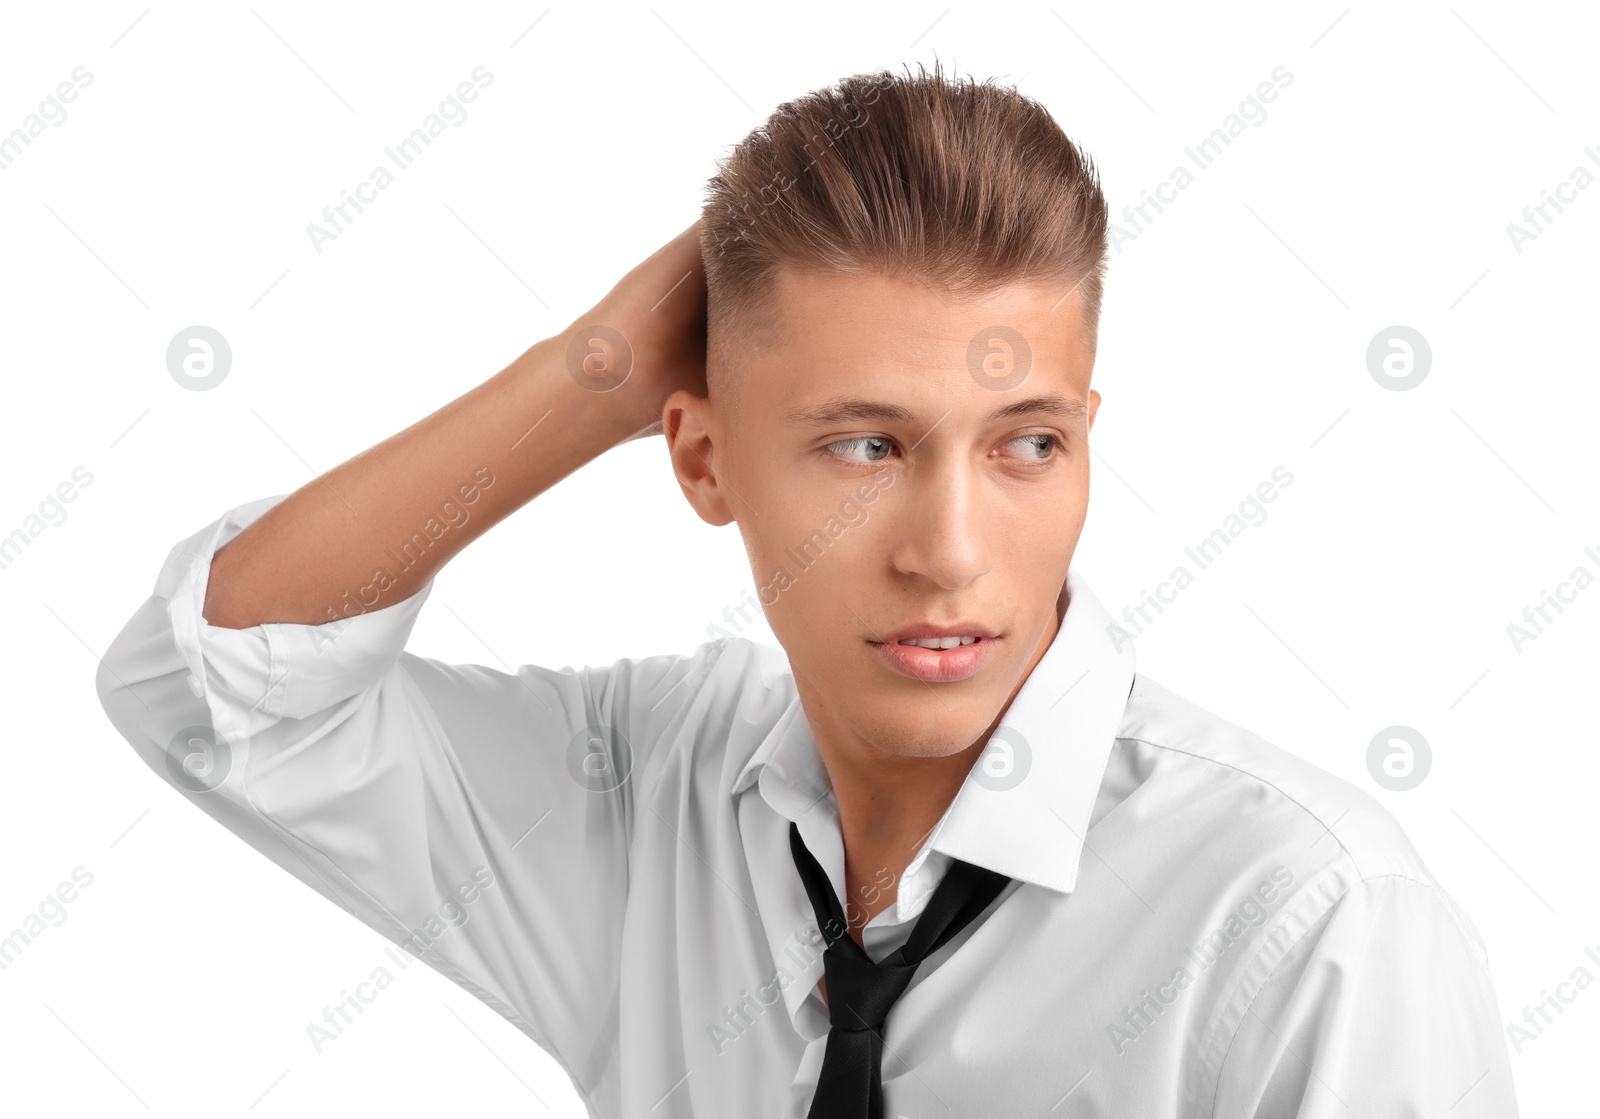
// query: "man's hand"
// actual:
[[659, 311]]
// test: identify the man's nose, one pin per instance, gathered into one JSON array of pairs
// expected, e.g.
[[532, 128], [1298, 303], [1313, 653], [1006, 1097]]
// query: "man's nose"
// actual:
[[941, 532]]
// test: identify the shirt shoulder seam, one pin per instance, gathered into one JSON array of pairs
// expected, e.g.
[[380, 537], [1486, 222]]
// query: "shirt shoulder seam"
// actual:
[[1269, 784]]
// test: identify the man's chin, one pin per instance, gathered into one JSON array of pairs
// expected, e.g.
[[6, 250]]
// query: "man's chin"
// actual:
[[921, 726]]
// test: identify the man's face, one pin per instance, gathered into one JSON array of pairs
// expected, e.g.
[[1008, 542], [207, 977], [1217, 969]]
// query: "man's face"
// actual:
[[884, 492]]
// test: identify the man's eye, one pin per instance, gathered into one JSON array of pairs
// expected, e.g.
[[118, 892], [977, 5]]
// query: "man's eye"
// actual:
[[867, 448], [1037, 448]]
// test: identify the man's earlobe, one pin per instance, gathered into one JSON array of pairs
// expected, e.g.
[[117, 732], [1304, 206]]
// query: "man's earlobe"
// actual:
[[686, 424]]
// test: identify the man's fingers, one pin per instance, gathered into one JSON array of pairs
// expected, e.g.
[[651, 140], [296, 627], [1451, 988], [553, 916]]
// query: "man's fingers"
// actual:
[[675, 270]]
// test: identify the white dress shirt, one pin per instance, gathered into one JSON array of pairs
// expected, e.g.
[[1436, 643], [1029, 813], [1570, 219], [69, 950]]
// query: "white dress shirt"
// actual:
[[1200, 924]]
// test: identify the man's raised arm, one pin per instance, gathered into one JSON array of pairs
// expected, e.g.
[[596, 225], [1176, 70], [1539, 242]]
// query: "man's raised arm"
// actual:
[[481, 819], [546, 414]]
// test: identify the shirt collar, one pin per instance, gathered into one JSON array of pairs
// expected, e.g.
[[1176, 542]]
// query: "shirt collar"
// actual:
[[1025, 806]]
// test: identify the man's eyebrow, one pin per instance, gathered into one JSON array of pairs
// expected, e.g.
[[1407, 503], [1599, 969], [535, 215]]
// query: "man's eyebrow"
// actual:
[[839, 408], [1052, 404]]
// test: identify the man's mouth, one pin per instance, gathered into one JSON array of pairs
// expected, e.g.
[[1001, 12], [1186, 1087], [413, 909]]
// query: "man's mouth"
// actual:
[[937, 654]]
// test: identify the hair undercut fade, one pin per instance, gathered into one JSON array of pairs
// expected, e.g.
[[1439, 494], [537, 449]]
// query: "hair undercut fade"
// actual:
[[965, 186]]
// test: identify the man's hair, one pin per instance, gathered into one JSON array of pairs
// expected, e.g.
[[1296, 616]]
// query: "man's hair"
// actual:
[[964, 186]]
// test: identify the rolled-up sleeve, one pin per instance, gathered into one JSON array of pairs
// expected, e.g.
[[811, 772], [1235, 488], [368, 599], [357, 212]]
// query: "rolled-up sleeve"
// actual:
[[478, 818], [1384, 1007]]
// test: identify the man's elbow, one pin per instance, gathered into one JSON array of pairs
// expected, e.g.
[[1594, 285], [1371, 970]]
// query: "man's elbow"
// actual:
[[141, 685]]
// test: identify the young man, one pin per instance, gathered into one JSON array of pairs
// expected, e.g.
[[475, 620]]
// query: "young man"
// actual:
[[1035, 882]]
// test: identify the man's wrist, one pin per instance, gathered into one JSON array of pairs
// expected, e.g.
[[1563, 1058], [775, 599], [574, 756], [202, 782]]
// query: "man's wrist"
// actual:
[[586, 384]]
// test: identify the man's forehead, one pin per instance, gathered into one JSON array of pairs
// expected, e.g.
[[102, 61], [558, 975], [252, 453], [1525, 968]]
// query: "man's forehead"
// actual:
[[821, 316], [825, 337]]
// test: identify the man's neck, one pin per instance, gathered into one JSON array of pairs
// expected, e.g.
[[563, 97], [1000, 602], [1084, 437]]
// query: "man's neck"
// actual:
[[889, 804], [887, 808]]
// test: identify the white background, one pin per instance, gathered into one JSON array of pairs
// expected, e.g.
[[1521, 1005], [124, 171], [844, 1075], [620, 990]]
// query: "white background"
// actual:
[[1419, 523]]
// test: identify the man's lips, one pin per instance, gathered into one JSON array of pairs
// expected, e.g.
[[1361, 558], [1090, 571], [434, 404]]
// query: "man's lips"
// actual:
[[969, 648]]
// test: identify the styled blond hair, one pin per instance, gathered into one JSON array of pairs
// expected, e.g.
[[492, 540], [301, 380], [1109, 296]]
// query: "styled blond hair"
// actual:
[[961, 185]]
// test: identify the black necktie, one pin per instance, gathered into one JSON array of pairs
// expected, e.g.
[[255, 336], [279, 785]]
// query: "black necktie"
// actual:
[[861, 992]]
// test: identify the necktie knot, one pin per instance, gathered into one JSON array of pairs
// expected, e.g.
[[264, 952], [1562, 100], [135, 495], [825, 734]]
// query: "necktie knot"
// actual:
[[860, 992]]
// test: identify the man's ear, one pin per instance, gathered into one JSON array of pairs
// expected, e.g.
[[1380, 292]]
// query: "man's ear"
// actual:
[[1094, 407], [686, 423]]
